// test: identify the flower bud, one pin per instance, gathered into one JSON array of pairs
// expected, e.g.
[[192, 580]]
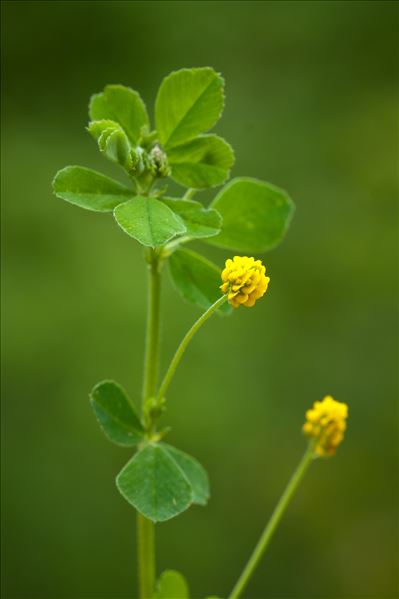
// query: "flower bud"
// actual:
[[160, 161]]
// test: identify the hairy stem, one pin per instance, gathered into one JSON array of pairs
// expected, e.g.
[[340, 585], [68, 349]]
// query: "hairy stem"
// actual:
[[183, 345], [145, 528], [273, 523]]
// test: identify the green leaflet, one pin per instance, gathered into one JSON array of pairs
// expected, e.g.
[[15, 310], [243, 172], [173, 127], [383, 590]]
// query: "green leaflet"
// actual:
[[89, 189], [97, 128], [123, 105], [112, 142], [161, 481], [255, 215], [203, 162], [171, 585], [117, 148], [116, 414], [194, 472], [148, 220], [154, 484], [197, 279], [199, 221], [189, 102]]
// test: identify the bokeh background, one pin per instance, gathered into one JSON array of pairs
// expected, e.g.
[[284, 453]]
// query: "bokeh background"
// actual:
[[311, 107]]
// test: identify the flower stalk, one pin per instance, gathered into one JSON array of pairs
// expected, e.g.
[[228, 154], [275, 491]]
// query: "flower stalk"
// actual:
[[273, 523], [183, 346], [325, 425]]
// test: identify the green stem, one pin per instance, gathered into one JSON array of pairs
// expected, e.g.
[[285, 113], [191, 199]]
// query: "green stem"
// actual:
[[151, 364], [189, 193], [146, 548], [170, 247], [183, 345], [273, 523], [145, 528]]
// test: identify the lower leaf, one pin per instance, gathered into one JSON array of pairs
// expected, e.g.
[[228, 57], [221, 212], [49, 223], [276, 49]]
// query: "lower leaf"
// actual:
[[154, 484], [194, 472], [172, 585], [116, 414]]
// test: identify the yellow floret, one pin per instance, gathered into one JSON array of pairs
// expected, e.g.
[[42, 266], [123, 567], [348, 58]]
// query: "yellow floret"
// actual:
[[326, 423], [244, 281]]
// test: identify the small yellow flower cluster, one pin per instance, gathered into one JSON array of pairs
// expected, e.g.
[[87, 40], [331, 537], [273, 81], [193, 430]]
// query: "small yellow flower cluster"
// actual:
[[326, 423], [244, 281]]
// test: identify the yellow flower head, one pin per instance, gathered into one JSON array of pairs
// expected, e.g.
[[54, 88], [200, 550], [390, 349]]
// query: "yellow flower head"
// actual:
[[244, 281], [326, 423]]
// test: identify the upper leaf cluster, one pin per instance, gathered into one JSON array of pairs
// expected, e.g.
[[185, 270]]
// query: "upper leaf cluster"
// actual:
[[246, 216]]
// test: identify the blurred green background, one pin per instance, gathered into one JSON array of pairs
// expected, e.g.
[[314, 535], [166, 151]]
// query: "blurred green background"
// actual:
[[311, 107]]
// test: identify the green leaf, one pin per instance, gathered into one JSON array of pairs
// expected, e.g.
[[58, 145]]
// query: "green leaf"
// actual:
[[117, 149], [89, 189], [112, 141], [199, 221], [154, 484], [255, 215], [197, 279], [116, 414], [194, 472], [123, 105], [203, 162], [189, 102], [148, 220], [97, 128], [172, 585]]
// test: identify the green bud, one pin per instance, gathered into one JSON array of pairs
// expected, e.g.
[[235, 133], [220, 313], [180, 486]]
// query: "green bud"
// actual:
[[160, 161]]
